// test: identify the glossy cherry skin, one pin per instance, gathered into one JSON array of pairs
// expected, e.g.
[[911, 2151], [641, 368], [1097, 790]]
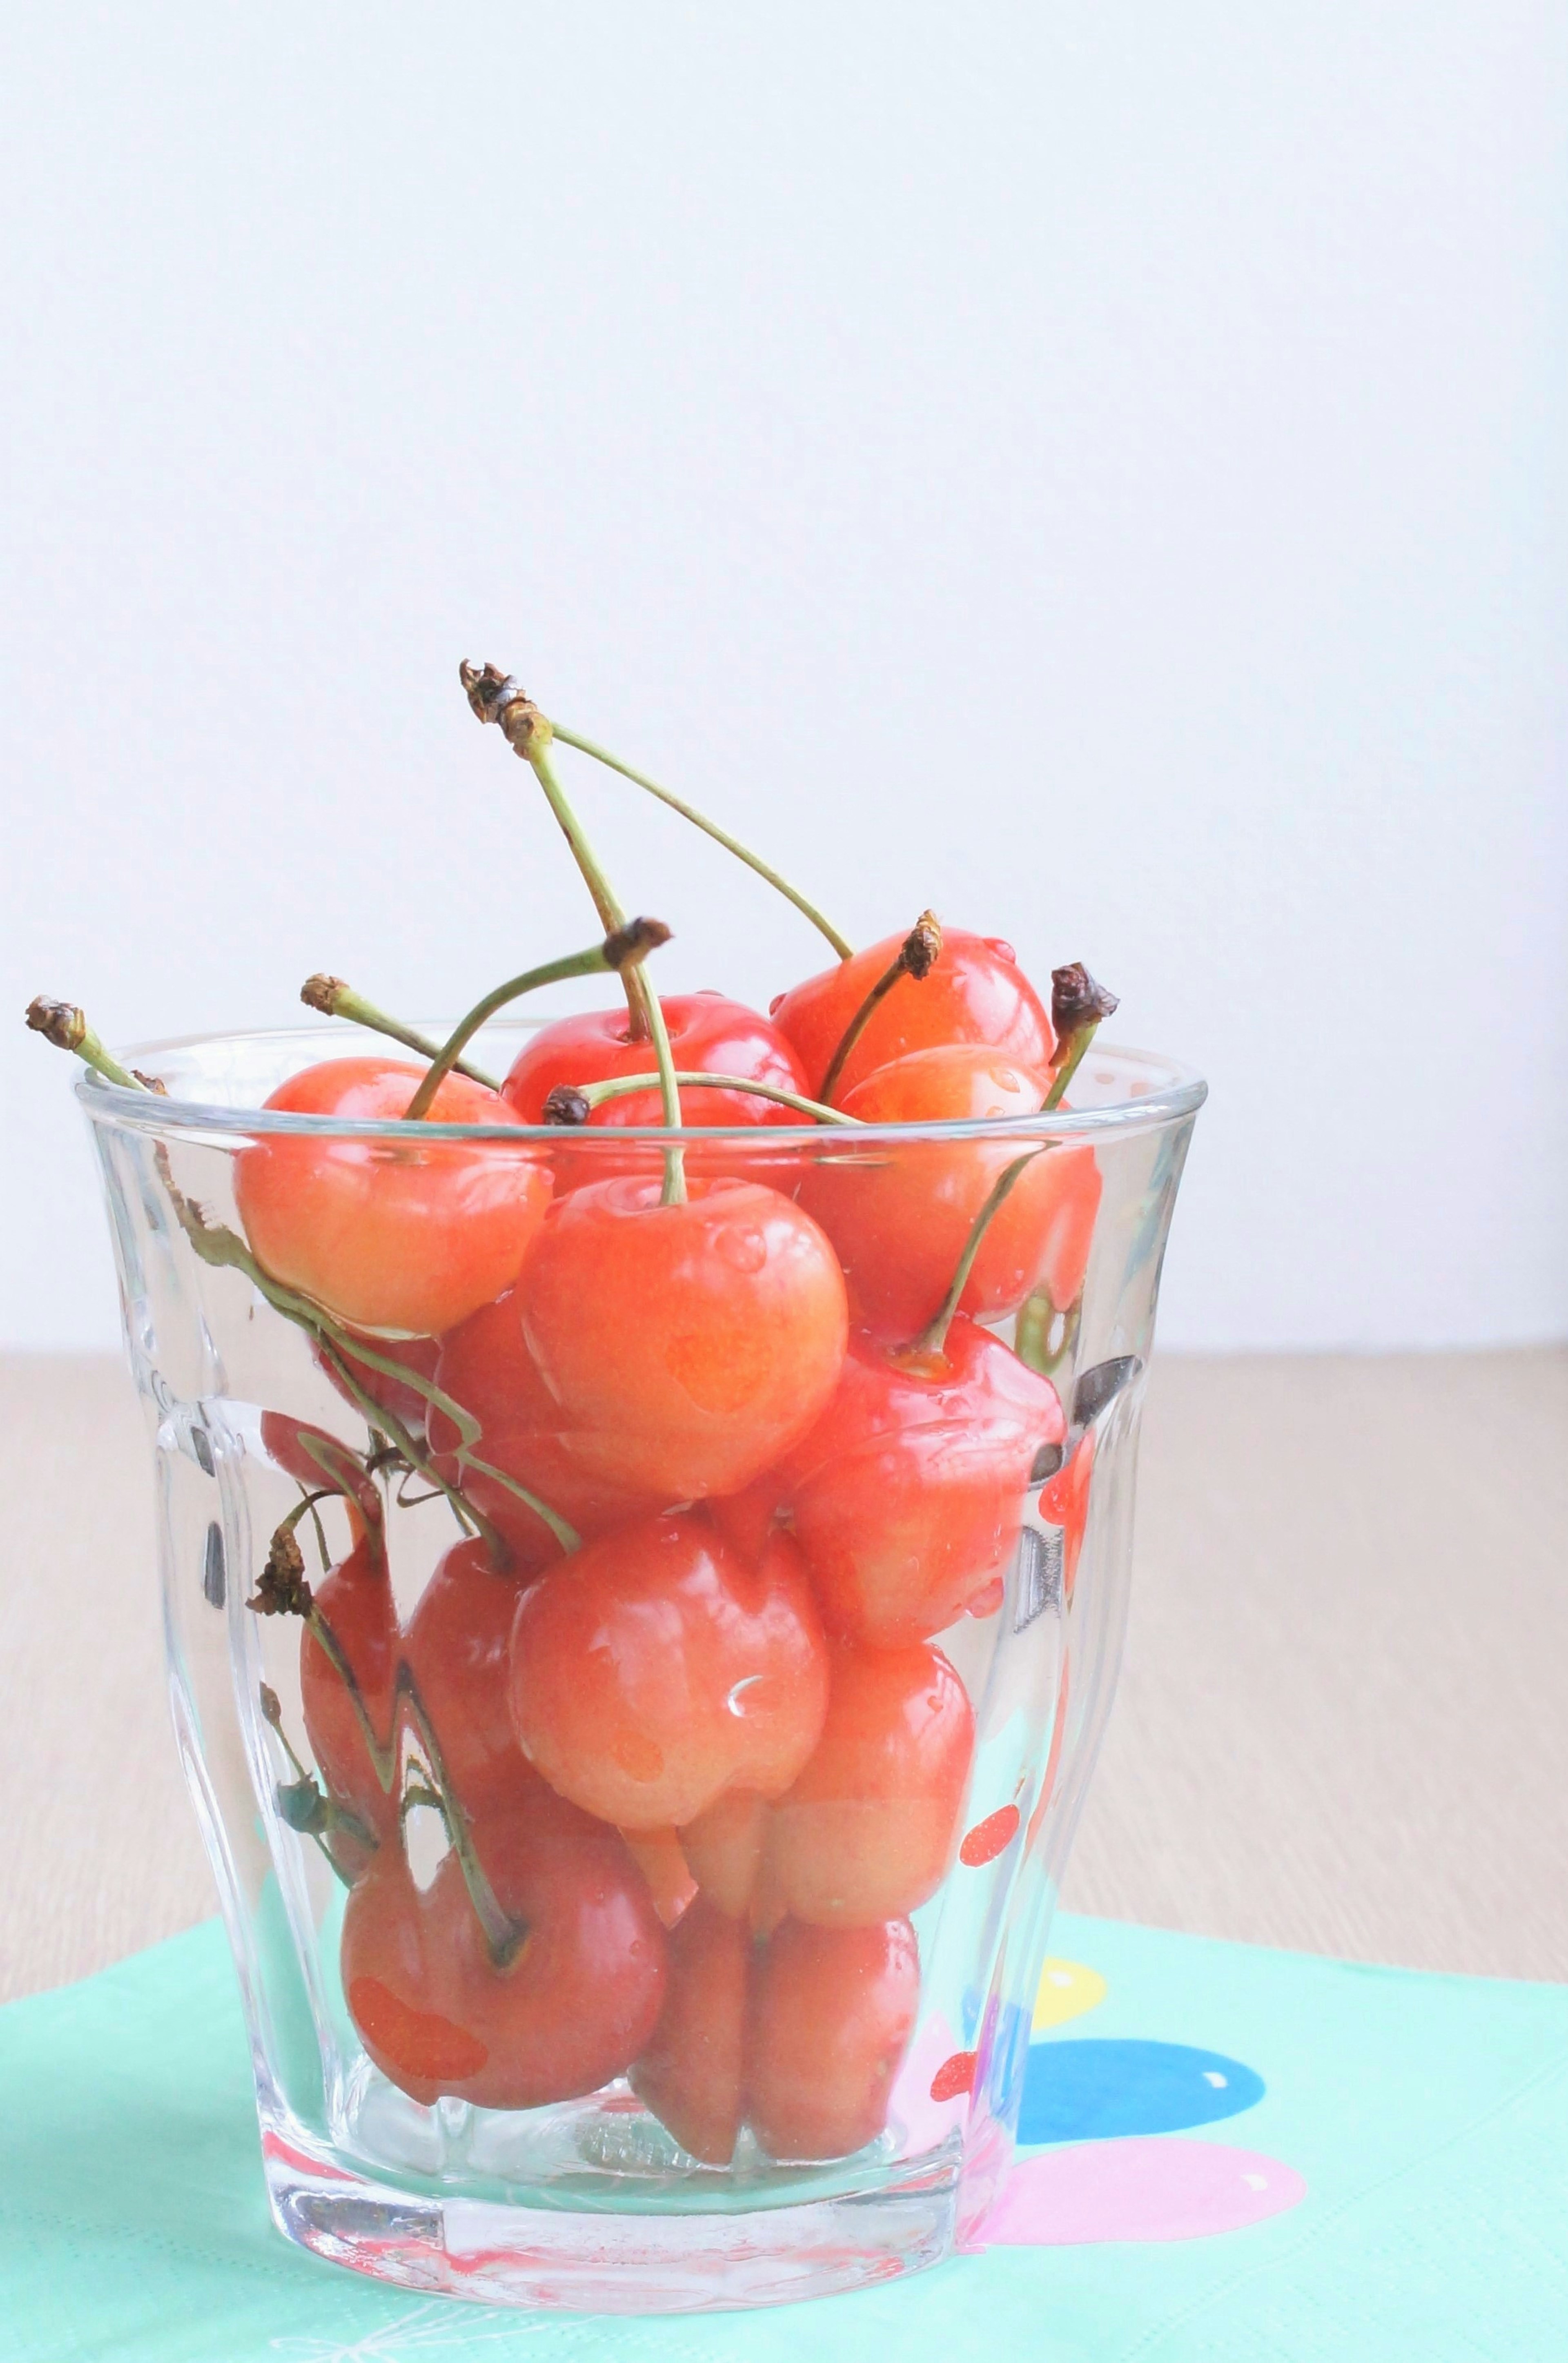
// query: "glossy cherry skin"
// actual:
[[868, 1830], [355, 1602], [656, 1667], [901, 1223], [907, 1496], [974, 993], [486, 1366], [572, 2008], [692, 2074], [687, 1346], [458, 1652], [832, 2013], [708, 1035], [389, 1234]]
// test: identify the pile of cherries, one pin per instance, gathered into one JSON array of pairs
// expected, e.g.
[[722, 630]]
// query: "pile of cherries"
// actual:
[[732, 1445]]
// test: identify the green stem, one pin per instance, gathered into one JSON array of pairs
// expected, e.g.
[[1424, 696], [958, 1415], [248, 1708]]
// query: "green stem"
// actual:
[[709, 829], [622, 1086], [333, 998], [934, 1338], [1061, 1075], [66, 1027], [916, 957], [647, 1016], [624, 949]]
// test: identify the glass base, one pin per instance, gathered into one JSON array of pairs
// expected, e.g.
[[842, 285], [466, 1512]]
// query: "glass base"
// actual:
[[591, 2260]]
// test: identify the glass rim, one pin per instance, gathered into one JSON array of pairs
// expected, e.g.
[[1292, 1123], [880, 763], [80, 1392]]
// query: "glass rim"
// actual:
[[1181, 1095]]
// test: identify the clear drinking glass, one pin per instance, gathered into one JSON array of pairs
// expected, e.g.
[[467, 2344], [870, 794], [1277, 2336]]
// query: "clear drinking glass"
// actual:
[[588, 2200]]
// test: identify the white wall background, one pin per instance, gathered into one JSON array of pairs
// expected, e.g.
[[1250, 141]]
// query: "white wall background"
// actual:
[[1097, 466]]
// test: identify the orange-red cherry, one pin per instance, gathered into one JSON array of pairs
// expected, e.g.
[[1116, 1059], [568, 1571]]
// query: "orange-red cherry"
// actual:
[[571, 2007], [832, 2013], [1065, 1502], [975, 992], [907, 1496], [485, 1367], [655, 1669], [390, 1234], [691, 2075], [687, 1346], [901, 1222], [867, 1833], [710, 1035]]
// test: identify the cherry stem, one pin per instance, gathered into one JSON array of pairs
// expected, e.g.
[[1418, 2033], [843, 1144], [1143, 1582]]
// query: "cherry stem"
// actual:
[[496, 697], [933, 1338], [1077, 1006], [1061, 1075], [642, 1002], [916, 957], [709, 829], [333, 998], [624, 949], [563, 1101], [66, 1027]]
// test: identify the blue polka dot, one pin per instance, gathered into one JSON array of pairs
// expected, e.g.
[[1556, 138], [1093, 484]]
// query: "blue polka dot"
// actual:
[[1093, 2091]]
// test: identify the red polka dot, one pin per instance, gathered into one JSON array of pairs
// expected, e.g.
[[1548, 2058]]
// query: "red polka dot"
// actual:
[[987, 1838], [954, 2075]]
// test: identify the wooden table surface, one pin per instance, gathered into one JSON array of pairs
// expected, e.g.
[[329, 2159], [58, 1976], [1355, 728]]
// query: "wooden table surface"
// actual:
[[1340, 1723]]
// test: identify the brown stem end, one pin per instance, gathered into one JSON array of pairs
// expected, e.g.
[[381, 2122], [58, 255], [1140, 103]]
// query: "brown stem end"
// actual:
[[1077, 1000], [566, 1104], [323, 992], [922, 945], [629, 946], [497, 696], [281, 1588], [58, 1022]]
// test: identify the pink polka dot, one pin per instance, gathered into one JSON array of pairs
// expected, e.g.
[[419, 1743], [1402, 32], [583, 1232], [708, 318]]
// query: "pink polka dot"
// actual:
[[1154, 2188]]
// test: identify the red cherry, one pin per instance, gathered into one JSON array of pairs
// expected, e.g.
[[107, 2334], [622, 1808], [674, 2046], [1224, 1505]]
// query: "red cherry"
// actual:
[[573, 2006], [355, 1601], [1065, 1502], [974, 993], [868, 1831], [655, 1669], [907, 1496], [687, 1346], [486, 1366], [386, 1234], [690, 2075], [708, 1036], [901, 1224], [458, 1651], [832, 2010]]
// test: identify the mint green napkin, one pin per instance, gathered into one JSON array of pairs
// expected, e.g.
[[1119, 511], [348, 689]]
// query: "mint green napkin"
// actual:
[[1426, 2116]]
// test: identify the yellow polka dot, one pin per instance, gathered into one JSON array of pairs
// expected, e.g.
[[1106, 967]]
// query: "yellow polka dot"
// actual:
[[1066, 1990]]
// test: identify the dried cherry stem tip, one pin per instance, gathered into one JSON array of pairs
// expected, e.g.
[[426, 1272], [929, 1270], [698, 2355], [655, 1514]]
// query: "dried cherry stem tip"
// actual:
[[917, 956], [62, 1023], [334, 998], [1077, 1006], [623, 950], [569, 1105]]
